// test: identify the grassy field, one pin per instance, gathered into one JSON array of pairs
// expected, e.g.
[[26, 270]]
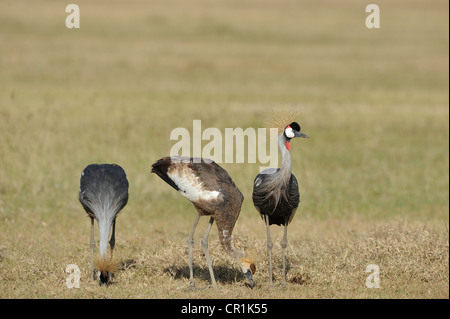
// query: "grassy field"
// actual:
[[374, 176]]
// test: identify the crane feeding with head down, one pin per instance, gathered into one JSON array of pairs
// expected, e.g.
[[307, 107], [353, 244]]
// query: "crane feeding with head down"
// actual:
[[213, 193], [103, 194], [276, 195]]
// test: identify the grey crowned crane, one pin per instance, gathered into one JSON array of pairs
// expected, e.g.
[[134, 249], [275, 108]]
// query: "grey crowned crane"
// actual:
[[276, 195], [213, 193], [103, 194]]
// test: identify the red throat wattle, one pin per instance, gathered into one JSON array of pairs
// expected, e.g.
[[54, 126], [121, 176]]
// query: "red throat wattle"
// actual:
[[288, 145]]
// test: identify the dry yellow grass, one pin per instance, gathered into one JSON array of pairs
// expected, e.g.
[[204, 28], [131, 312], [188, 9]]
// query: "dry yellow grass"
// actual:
[[374, 176]]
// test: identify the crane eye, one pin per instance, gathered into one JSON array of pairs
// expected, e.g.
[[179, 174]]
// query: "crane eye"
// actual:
[[289, 132]]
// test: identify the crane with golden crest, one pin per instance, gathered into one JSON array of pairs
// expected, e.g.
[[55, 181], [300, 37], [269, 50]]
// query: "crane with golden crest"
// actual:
[[213, 193], [103, 194], [275, 190]]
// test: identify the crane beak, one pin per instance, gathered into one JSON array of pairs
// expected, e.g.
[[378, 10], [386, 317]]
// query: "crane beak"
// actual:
[[249, 276], [299, 134]]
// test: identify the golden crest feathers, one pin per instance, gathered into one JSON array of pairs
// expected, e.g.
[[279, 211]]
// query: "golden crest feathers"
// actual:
[[250, 263], [106, 265], [247, 260], [281, 117]]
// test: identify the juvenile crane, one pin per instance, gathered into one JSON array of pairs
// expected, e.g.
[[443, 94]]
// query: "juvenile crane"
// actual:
[[276, 195], [213, 193], [103, 194]]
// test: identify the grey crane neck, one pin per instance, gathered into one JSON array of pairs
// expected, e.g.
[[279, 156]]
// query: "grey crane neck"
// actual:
[[286, 165]]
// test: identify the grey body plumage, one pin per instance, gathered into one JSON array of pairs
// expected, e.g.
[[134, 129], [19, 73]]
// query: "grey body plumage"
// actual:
[[281, 205], [276, 195]]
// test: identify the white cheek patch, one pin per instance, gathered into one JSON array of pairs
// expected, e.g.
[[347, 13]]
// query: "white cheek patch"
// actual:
[[289, 132], [245, 267], [190, 186]]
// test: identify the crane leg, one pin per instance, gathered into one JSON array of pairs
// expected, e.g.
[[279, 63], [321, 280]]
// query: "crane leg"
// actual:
[[205, 249], [283, 246], [269, 249], [190, 244], [112, 241], [92, 245]]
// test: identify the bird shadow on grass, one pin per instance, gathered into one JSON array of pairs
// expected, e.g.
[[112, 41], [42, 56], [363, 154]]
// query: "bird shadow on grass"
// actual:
[[222, 274], [127, 264]]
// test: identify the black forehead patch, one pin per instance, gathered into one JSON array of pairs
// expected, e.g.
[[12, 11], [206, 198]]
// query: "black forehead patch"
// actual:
[[295, 126]]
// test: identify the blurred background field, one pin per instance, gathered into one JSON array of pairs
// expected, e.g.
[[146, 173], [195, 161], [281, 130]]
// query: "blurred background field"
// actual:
[[374, 176]]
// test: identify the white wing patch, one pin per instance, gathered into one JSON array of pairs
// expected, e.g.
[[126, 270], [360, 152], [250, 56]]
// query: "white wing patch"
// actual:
[[190, 186]]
